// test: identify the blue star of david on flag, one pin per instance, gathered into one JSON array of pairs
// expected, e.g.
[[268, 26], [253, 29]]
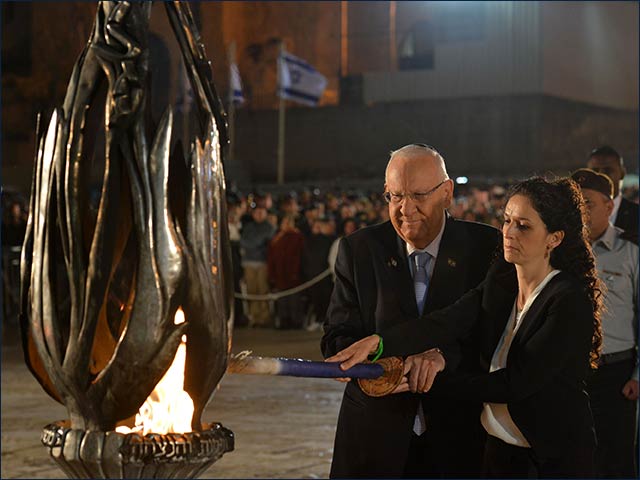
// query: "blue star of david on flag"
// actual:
[[299, 81]]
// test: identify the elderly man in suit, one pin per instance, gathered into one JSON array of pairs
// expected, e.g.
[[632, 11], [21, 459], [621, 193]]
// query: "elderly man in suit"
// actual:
[[420, 261], [607, 161]]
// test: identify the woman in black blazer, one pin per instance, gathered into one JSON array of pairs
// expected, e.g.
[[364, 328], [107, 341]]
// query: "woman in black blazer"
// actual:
[[539, 313]]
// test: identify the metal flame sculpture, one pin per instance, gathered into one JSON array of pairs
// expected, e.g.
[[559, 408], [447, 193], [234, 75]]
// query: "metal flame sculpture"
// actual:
[[101, 283]]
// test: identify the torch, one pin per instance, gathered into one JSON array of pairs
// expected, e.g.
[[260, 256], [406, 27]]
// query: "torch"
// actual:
[[375, 379]]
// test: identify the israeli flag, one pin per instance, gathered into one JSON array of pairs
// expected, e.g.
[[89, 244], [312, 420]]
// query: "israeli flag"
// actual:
[[299, 81], [235, 85]]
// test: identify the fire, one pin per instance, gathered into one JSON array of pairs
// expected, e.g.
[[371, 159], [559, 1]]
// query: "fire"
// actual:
[[168, 409]]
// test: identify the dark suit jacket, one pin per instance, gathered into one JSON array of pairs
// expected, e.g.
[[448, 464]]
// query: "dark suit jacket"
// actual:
[[374, 291], [627, 218], [543, 384]]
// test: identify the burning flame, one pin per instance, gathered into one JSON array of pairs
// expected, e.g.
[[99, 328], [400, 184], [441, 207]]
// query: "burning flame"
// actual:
[[168, 409]]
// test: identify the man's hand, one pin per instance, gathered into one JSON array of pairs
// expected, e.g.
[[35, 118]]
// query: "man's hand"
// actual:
[[420, 371], [630, 390], [355, 353]]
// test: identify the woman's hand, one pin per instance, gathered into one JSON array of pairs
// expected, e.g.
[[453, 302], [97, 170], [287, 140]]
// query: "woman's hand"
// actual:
[[420, 371], [355, 353], [403, 386], [630, 390]]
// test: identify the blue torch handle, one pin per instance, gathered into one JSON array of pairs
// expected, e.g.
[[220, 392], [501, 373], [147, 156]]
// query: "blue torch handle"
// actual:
[[294, 367]]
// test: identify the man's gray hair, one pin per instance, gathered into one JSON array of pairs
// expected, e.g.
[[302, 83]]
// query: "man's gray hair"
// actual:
[[419, 149]]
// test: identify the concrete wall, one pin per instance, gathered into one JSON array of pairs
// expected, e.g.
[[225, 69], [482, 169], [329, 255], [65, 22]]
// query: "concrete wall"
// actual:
[[584, 51], [368, 41], [590, 52], [570, 130], [503, 59], [493, 137]]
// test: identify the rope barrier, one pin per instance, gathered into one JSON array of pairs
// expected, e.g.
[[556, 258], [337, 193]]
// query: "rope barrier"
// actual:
[[284, 293]]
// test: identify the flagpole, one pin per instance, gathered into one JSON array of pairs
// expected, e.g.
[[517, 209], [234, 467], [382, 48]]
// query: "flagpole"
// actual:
[[281, 124], [232, 104]]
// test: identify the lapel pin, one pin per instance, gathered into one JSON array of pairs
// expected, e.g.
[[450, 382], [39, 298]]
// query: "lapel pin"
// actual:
[[451, 262], [392, 262]]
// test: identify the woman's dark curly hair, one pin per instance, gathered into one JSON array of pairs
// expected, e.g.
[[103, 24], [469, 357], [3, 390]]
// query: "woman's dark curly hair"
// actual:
[[561, 207]]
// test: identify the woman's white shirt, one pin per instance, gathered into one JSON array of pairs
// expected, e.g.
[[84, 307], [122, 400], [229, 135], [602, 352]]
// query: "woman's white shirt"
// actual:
[[495, 417]]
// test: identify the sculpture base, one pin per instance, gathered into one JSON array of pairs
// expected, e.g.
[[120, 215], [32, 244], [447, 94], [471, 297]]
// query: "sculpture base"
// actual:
[[96, 454]]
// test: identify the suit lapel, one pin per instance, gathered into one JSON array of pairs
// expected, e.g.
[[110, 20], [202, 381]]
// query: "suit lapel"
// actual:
[[533, 316], [624, 213], [499, 301], [397, 269], [449, 273], [621, 218]]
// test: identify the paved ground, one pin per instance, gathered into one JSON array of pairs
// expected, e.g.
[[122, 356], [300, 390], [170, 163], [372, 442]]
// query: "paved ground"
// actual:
[[284, 427]]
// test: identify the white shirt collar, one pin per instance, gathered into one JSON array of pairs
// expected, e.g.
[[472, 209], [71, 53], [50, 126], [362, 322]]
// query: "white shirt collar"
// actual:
[[616, 207], [433, 248], [608, 237]]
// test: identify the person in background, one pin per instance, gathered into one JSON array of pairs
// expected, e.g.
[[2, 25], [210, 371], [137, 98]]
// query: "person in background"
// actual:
[[609, 162], [346, 210], [14, 225], [272, 218], [247, 204], [284, 260], [348, 227], [254, 241], [631, 193], [265, 199], [306, 220], [496, 205], [613, 387], [306, 198], [315, 260], [289, 205], [333, 204], [235, 227]]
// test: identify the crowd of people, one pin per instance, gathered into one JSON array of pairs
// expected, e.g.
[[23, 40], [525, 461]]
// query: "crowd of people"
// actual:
[[285, 242]]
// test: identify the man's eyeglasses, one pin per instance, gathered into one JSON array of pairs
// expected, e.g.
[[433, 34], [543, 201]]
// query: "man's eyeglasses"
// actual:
[[418, 197]]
